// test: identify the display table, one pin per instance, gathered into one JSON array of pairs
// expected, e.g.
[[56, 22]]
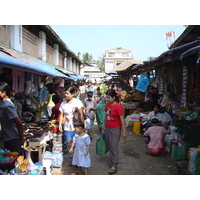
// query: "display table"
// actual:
[[38, 144]]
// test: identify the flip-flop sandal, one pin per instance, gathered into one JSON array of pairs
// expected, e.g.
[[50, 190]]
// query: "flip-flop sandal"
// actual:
[[112, 171]]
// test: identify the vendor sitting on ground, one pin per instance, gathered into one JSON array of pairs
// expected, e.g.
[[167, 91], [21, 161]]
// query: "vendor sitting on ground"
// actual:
[[156, 134], [154, 114]]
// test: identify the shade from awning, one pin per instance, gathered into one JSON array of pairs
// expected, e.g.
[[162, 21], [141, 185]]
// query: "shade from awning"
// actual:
[[17, 60]]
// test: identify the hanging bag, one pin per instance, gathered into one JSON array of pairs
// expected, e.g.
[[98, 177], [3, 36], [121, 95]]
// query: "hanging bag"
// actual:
[[142, 83], [101, 145], [76, 114]]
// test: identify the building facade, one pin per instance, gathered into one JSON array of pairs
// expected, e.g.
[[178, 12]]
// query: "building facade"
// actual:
[[91, 73], [115, 57], [41, 42]]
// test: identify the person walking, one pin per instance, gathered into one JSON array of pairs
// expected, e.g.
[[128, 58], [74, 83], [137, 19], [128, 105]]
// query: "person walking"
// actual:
[[114, 125], [81, 142], [66, 121], [114, 87], [82, 91], [11, 125], [90, 87], [90, 106], [100, 111]]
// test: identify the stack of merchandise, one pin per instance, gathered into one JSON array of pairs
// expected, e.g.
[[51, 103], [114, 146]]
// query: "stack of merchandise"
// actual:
[[57, 148], [7, 159], [57, 143], [57, 137], [131, 105], [135, 117], [194, 160], [126, 97], [139, 96]]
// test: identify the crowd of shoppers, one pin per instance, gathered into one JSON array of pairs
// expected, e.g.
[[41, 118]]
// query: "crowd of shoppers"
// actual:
[[75, 111]]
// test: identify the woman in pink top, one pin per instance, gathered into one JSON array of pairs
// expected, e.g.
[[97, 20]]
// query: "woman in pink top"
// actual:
[[156, 134]]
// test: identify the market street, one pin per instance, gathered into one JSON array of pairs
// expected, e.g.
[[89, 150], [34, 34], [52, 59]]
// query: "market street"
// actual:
[[132, 159]]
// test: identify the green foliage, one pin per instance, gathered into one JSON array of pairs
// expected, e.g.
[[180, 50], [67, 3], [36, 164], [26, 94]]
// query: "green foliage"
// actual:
[[87, 58], [103, 88], [101, 63]]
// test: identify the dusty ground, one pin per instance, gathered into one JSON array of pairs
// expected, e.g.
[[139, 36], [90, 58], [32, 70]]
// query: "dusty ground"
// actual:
[[132, 159]]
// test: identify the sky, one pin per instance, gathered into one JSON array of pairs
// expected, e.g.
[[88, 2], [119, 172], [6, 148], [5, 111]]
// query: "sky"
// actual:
[[85, 26], [143, 40]]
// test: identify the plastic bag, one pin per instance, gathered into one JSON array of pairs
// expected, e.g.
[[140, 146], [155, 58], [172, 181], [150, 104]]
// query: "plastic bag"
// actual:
[[166, 119], [56, 159], [101, 145], [128, 121], [142, 83], [179, 153]]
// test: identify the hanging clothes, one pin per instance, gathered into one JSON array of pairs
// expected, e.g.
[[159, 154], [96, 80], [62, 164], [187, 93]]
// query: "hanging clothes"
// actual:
[[18, 80]]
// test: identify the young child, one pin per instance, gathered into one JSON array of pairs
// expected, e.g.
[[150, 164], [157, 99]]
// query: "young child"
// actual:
[[156, 134], [90, 107], [81, 141]]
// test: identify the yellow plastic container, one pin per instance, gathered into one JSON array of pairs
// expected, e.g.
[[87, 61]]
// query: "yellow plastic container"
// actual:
[[136, 127], [38, 115]]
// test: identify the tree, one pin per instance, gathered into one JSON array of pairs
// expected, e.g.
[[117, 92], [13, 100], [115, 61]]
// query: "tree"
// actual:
[[79, 55], [87, 58], [101, 63], [150, 58]]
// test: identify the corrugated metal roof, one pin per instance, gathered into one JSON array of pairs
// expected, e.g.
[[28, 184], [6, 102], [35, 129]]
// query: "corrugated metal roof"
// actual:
[[191, 33], [170, 55]]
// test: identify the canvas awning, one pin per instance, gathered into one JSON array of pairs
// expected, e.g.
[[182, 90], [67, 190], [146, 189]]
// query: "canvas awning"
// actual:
[[13, 59], [125, 65]]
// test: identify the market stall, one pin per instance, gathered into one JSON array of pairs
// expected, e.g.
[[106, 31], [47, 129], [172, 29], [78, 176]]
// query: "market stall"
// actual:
[[30, 79]]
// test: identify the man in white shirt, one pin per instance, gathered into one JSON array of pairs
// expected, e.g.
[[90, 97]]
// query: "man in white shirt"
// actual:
[[154, 114]]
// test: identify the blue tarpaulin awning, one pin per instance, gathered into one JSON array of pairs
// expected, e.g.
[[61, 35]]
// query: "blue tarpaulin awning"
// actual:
[[17, 60], [70, 74]]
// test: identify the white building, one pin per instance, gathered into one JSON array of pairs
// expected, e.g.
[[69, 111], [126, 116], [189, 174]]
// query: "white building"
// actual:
[[91, 72], [115, 57]]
